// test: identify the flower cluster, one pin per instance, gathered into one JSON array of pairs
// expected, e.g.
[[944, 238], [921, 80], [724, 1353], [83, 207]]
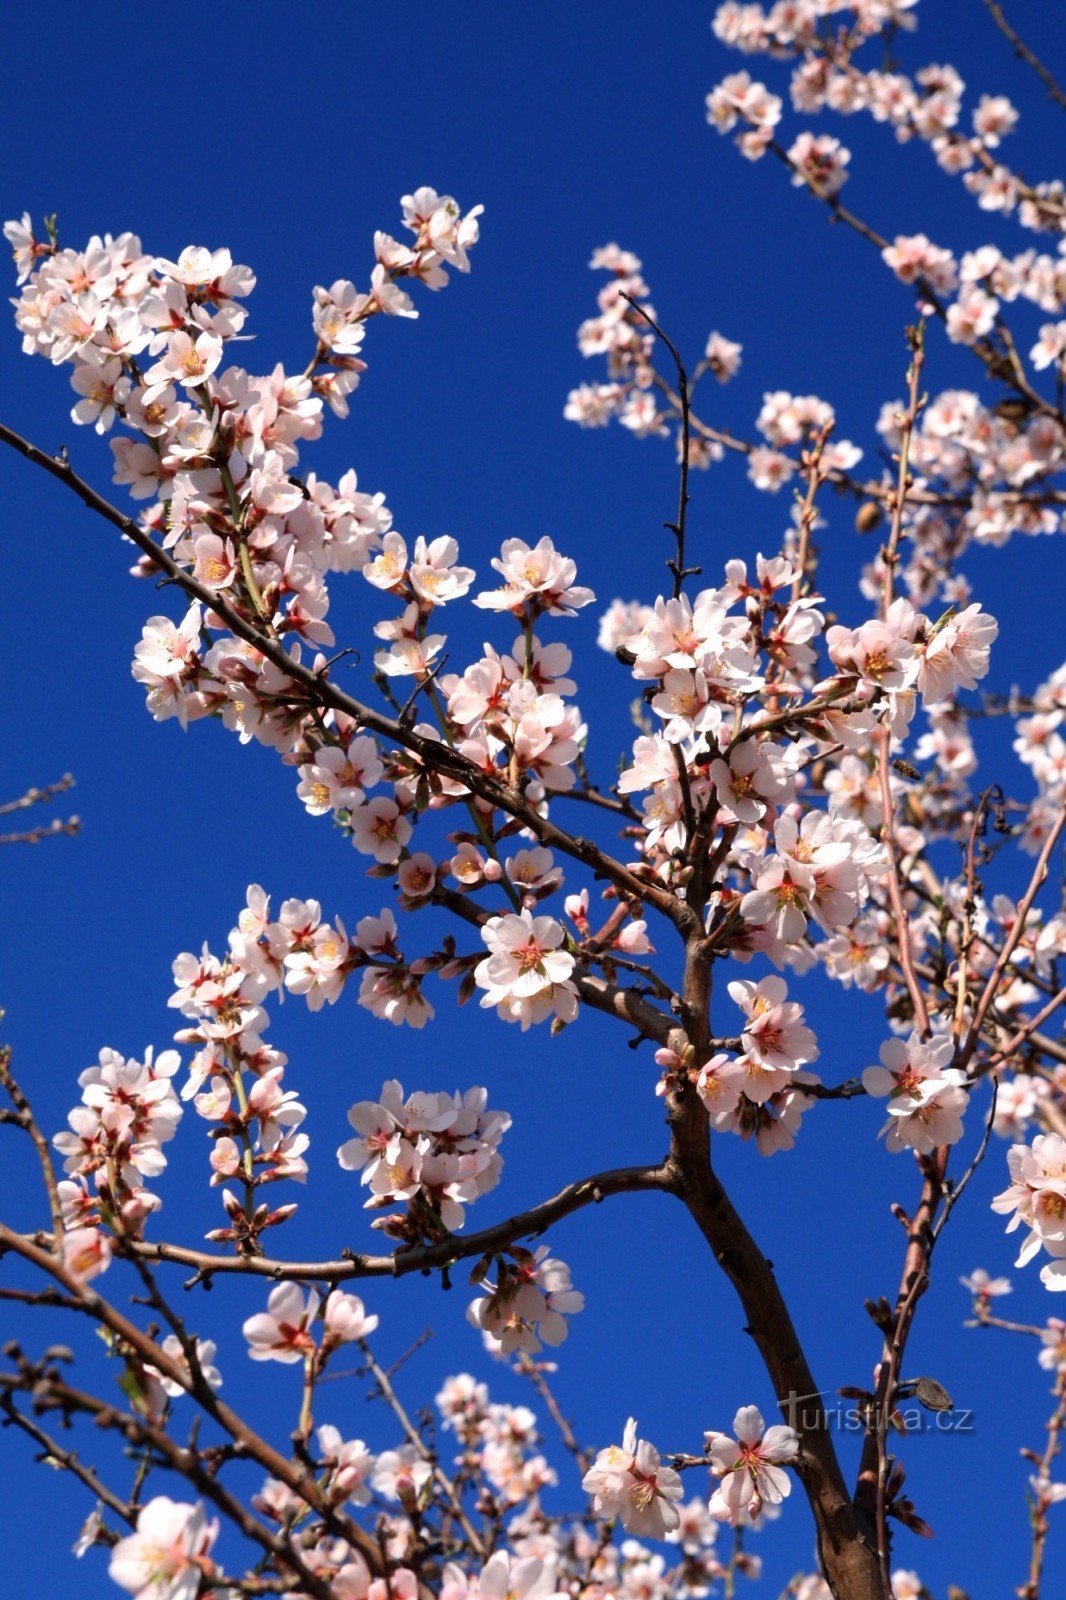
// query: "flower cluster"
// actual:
[[215, 448], [529, 1302], [128, 1112], [926, 1095], [761, 1092], [436, 1152], [1037, 1198], [629, 1481], [285, 1330]]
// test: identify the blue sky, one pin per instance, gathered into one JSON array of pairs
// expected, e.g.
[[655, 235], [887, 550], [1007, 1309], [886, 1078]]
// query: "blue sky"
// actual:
[[289, 136]]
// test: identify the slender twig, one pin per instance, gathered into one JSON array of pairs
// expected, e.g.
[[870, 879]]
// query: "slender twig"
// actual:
[[903, 935], [908, 424], [588, 1191], [68, 1460], [1024, 53], [1010, 944], [535, 1373], [677, 566], [415, 1439], [28, 1122]]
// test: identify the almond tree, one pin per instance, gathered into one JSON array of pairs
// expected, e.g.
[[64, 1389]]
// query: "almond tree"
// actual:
[[799, 793]]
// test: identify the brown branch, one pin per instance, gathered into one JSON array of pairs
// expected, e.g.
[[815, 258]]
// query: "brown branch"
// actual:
[[253, 1445], [28, 1122], [534, 1371], [846, 1557], [38, 796], [51, 830], [55, 1394], [903, 938], [443, 1253], [68, 1460], [1024, 53], [434, 754]]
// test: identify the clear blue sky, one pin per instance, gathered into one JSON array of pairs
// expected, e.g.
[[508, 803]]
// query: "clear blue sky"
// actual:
[[288, 134]]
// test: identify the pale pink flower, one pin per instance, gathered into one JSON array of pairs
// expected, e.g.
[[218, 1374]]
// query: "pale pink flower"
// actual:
[[630, 1482], [524, 955], [956, 655], [86, 1252], [750, 1466], [187, 360], [165, 1558], [345, 1318], [984, 1288], [380, 829], [282, 1331], [774, 1034]]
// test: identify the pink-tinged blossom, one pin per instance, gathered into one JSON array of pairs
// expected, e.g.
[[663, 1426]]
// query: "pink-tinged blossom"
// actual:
[[878, 652], [525, 960], [86, 1253], [774, 1032], [720, 1083], [349, 1466], [971, 316], [345, 1318], [630, 1482], [1037, 1197], [956, 655], [440, 1147], [508, 1577], [538, 577], [282, 1331], [697, 636], [530, 1303], [926, 1096], [339, 776], [722, 357], [402, 1475], [686, 707], [187, 360], [749, 781], [750, 1467], [380, 829], [820, 162], [435, 574], [913, 257], [592, 405], [166, 1558], [619, 622], [985, 1288], [206, 1350]]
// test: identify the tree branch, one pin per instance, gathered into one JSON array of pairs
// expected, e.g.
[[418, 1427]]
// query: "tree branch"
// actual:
[[435, 754]]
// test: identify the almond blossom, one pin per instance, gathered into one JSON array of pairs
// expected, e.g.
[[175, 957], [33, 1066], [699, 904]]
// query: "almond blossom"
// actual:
[[750, 1466], [526, 973], [167, 1557], [283, 1331], [630, 1482], [926, 1096]]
